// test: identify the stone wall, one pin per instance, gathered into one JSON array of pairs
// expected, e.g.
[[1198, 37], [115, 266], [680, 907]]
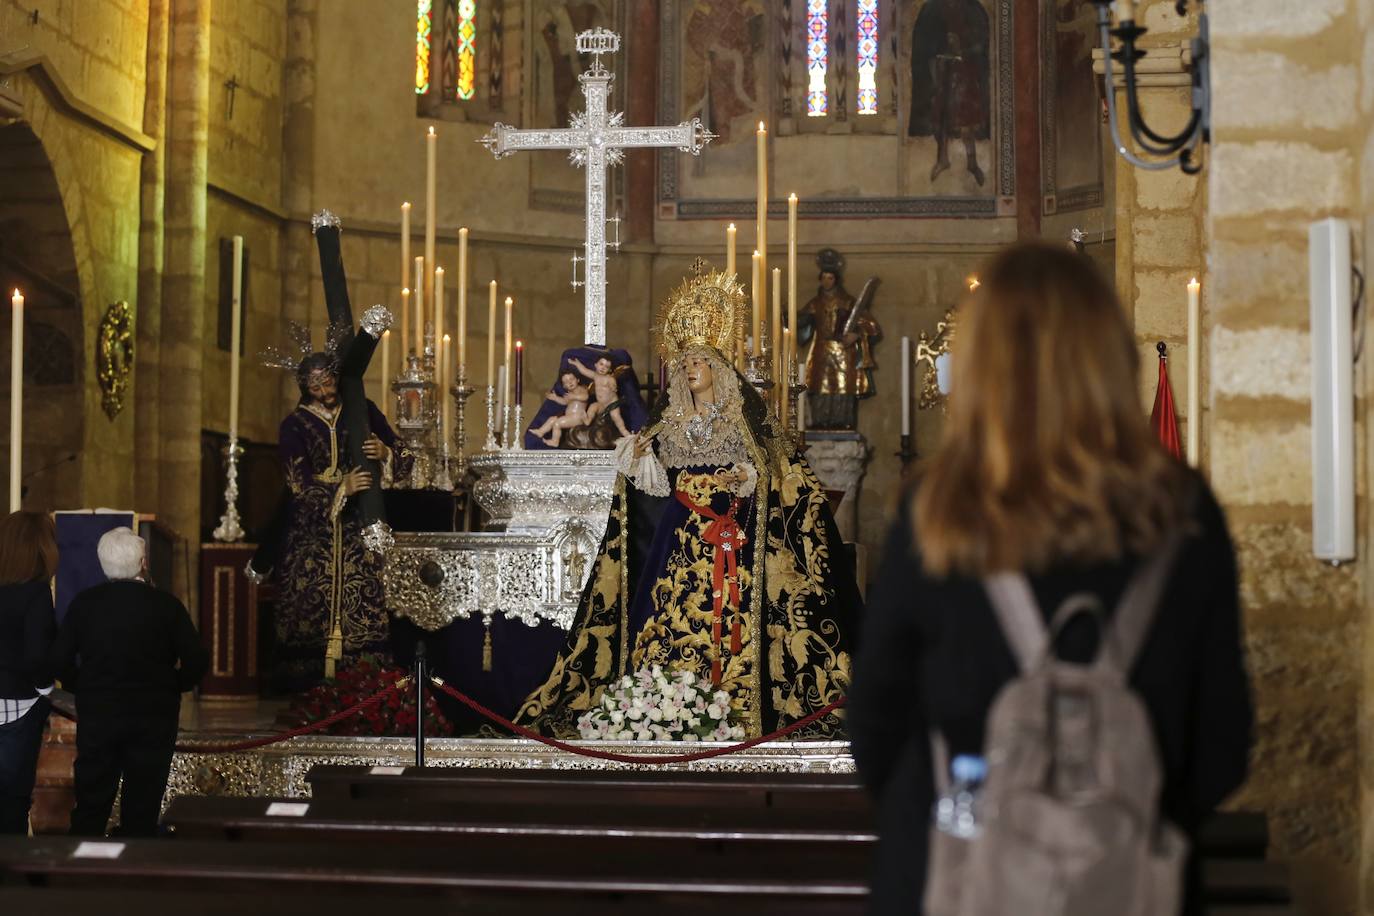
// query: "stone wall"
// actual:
[[79, 85], [1288, 141], [245, 161]]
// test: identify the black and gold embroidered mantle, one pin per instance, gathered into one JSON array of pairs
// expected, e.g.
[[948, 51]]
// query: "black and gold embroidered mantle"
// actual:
[[799, 599]]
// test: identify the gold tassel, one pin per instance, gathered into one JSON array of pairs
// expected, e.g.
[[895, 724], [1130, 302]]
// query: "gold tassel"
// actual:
[[333, 651], [486, 650]]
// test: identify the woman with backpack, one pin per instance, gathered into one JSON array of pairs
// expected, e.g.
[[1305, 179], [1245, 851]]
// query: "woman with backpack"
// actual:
[[1049, 694]]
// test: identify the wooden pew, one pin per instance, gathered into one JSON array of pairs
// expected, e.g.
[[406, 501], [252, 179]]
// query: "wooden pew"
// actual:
[[652, 834], [476, 878], [64, 901], [811, 791]]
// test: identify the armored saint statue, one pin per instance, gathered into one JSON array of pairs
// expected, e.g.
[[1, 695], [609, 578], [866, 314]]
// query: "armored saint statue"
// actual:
[[839, 362]]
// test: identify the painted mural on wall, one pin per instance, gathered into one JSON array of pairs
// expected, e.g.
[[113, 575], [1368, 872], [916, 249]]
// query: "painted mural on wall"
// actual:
[[553, 94], [951, 81], [934, 137], [1071, 107], [724, 66]]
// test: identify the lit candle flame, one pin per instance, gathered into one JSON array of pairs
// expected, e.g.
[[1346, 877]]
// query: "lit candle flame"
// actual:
[[762, 129], [973, 283]]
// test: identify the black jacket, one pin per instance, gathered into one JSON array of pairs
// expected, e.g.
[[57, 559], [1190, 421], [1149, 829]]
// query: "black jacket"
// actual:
[[125, 646], [27, 629], [931, 655]]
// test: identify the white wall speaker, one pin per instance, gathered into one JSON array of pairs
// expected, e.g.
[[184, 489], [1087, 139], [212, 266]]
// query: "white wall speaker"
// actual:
[[1333, 391]]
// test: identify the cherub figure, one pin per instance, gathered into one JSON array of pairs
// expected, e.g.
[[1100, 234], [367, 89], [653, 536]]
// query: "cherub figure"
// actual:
[[574, 414], [607, 388]]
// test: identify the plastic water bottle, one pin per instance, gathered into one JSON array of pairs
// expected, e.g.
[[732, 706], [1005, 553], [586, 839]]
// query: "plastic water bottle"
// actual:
[[956, 811]]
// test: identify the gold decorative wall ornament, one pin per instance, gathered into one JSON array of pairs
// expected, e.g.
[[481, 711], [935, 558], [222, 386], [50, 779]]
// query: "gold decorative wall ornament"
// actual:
[[115, 356], [929, 351]]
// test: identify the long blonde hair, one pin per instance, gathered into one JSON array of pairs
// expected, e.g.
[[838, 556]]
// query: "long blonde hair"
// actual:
[[1047, 456]]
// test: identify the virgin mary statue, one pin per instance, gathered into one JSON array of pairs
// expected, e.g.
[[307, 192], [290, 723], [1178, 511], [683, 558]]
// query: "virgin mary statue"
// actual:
[[721, 557]]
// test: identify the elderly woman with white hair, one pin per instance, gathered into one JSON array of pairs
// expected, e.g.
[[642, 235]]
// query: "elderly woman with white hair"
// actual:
[[127, 651]]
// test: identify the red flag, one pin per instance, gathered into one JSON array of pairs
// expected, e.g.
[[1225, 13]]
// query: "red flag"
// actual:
[[1164, 418]]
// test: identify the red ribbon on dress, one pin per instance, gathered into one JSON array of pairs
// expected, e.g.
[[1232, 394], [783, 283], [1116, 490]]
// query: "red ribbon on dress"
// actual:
[[727, 537]]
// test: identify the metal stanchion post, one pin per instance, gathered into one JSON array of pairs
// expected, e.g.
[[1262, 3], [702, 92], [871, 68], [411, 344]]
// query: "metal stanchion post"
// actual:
[[420, 703]]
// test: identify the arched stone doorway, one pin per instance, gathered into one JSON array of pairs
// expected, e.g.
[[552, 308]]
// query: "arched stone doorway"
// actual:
[[38, 258]]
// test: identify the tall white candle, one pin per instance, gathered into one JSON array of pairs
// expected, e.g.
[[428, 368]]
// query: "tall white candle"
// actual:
[[235, 336], [405, 243], [1194, 368], [784, 382], [491, 336], [792, 280], [756, 325], [16, 400], [438, 308], [431, 214], [762, 216], [906, 386], [506, 359], [779, 345], [386, 374], [463, 298], [445, 367], [417, 299], [405, 280], [730, 232]]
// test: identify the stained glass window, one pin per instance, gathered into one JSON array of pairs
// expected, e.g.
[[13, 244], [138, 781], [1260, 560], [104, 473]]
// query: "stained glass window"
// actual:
[[817, 57], [422, 30], [866, 15], [467, 48]]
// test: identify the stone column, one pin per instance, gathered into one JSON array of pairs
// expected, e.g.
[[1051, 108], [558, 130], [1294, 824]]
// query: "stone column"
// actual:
[[183, 285], [1287, 150], [148, 323]]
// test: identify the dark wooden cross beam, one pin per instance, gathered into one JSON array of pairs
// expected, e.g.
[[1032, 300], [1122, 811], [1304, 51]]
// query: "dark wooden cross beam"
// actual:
[[231, 85]]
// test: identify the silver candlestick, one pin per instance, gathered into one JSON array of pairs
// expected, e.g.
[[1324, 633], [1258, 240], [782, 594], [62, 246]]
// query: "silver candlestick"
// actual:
[[518, 433], [490, 444], [230, 529], [461, 391], [759, 366]]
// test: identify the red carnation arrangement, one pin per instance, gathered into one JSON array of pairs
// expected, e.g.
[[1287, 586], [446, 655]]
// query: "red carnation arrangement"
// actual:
[[392, 716]]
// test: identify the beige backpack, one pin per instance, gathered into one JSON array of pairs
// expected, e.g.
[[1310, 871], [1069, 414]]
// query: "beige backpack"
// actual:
[[1068, 817]]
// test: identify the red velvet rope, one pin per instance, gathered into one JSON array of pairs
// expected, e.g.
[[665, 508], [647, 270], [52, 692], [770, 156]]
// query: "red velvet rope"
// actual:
[[306, 729], [523, 732], [647, 759]]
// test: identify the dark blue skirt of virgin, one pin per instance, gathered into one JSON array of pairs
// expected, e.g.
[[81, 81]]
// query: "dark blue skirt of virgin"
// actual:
[[659, 555]]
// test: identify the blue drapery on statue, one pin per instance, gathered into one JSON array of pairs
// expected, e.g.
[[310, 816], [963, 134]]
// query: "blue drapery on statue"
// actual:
[[632, 409]]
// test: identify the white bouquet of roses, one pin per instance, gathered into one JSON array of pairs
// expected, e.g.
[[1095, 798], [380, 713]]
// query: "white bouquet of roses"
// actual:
[[656, 705]]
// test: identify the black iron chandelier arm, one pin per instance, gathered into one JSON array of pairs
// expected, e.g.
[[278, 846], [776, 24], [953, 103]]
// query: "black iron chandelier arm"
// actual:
[[1141, 131]]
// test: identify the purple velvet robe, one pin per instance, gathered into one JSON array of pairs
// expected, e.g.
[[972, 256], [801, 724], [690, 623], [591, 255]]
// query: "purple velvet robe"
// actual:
[[325, 572]]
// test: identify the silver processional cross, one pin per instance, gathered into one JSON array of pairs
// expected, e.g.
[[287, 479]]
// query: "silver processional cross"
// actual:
[[597, 139]]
